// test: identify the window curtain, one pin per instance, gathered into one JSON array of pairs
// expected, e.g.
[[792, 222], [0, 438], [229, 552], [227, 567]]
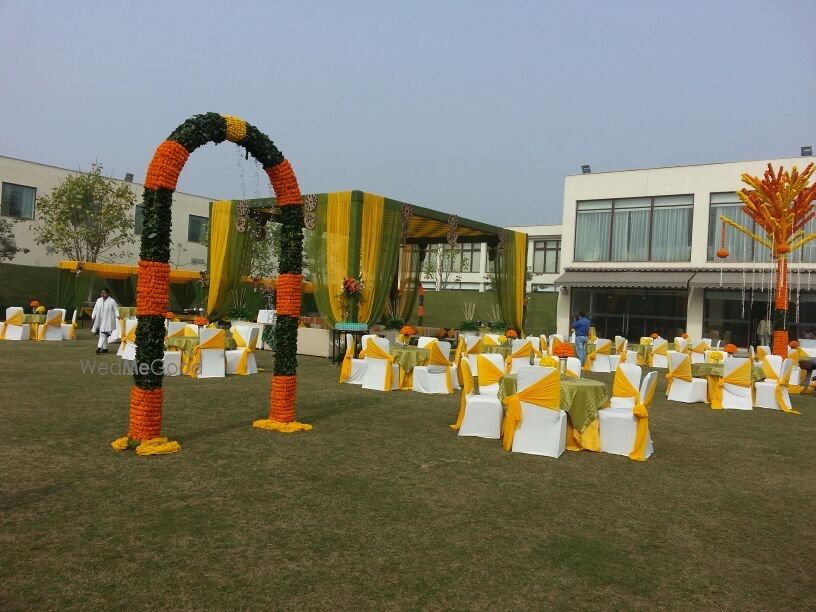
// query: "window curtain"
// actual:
[[671, 235], [380, 229], [225, 257], [510, 279], [411, 259], [739, 245], [592, 236], [630, 235]]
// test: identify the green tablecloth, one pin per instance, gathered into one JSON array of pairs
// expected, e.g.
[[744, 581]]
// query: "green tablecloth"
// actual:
[[502, 350], [581, 398], [187, 344], [643, 350], [703, 370], [127, 312], [34, 318], [408, 357]]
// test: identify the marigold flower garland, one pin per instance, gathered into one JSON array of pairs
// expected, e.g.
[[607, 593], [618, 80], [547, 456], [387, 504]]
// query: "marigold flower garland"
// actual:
[[152, 291]]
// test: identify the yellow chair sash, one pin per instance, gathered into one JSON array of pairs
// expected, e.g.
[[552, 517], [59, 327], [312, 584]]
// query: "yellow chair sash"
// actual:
[[681, 372], [780, 384], [190, 333], [467, 389], [373, 351], [525, 350], [660, 349], [345, 369], [700, 348], [438, 358], [54, 321], [241, 368], [489, 374], [129, 337], [740, 377], [545, 393], [761, 353], [620, 346], [606, 349], [461, 350], [15, 319], [218, 341], [622, 387], [489, 341]]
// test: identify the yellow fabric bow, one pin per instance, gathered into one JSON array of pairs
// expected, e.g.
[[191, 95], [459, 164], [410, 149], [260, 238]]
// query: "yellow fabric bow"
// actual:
[[54, 321], [345, 369], [462, 350], [525, 350], [740, 377], [605, 349], [489, 374], [622, 387], [15, 319], [467, 389], [129, 337], [761, 353], [489, 341], [770, 375], [545, 392], [438, 358], [240, 343], [681, 372], [218, 341], [660, 349], [373, 351]]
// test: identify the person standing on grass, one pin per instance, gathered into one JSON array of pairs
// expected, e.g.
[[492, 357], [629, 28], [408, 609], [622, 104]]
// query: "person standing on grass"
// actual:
[[581, 327], [104, 319]]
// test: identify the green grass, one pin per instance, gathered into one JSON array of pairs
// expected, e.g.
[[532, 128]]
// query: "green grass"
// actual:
[[383, 506]]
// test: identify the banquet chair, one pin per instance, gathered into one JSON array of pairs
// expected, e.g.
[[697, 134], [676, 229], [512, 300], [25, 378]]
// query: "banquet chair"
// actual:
[[381, 373], [698, 349], [736, 385], [543, 344], [681, 386], [364, 343], [471, 346], [680, 344], [772, 392], [424, 341], [171, 363], [536, 342], [540, 425], [13, 327], [51, 330], [621, 345], [573, 367], [627, 377], [707, 341], [598, 360], [479, 415], [491, 369], [211, 349], [352, 370], [631, 357], [127, 348], [659, 356], [439, 374], [191, 330], [761, 352], [619, 425], [522, 352], [68, 330], [175, 329], [241, 360]]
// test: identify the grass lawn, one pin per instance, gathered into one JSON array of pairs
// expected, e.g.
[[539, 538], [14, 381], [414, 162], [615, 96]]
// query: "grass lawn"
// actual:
[[383, 506]]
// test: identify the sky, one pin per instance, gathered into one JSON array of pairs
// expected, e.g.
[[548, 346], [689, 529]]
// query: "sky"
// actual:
[[474, 108]]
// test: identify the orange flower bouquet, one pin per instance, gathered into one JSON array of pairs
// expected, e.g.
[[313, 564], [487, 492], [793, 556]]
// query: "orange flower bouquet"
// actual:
[[730, 348], [563, 350], [201, 321], [511, 333], [655, 336], [34, 304], [407, 330], [793, 344], [169, 315]]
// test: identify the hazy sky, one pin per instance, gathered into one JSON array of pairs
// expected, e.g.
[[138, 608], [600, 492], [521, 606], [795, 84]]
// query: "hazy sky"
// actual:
[[474, 108]]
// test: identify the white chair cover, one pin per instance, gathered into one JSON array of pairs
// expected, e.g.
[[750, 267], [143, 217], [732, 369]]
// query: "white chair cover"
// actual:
[[695, 391], [542, 431]]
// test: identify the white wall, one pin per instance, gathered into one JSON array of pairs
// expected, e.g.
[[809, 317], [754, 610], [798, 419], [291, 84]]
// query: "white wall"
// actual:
[[44, 178]]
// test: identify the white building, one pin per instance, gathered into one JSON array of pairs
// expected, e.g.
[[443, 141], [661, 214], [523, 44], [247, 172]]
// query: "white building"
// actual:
[[639, 255], [22, 182]]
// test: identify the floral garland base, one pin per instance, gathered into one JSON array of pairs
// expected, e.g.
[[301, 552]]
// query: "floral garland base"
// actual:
[[281, 426], [154, 446]]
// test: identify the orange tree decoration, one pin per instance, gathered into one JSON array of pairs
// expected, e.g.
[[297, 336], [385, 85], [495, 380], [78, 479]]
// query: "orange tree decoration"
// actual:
[[781, 203], [152, 290]]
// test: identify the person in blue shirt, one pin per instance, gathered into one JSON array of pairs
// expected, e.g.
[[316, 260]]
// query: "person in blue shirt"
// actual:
[[581, 327]]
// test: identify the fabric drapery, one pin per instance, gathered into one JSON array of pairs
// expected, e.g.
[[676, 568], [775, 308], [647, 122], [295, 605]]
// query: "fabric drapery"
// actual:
[[605, 349], [740, 377], [622, 387], [545, 392], [660, 349], [771, 376], [510, 279], [218, 341], [245, 348], [15, 319], [488, 373], [411, 258], [226, 257], [681, 372], [524, 351], [345, 369], [379, 253], [438, 358], [467, 389]]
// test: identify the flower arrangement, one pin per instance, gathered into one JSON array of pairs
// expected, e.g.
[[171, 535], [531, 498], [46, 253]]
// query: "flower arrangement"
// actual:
[[152, 286], [548, 362], [407, 330], [730, 348], [201, 321], [393, 323], [352, 287], [715, 357], [502, 339], [469, 325], [511, 333], [792, 344], [563, 350]]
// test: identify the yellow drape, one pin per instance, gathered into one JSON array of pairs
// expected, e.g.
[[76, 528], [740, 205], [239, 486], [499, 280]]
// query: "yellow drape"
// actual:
[[489, 341], [761, 353], [740, 377], [373, 351], [702, 347], [370, 249], [520, 276], [463, 351], [129, 337], [15, 319], [241, 368], [438, 358], [620, 346], [681, 372], [218, 341], [488, 373], [606, 349], [467, 389], [219, 233], [661, 349], [545, 393], [345, 369], [338, 212], [622, 387], [525, 350]]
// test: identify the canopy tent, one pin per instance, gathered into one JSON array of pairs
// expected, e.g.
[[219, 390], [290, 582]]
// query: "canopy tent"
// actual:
[[384, 242]]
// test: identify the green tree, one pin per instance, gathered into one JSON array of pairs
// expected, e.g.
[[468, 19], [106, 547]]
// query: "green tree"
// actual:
[[8, 246], [444, 266], [87, 217]]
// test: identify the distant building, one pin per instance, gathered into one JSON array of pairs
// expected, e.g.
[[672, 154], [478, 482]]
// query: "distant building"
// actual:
[[22, 182]]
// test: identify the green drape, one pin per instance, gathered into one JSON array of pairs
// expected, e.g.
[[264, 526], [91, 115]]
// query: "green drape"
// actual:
[[510, 279], [411, 259], [317, 249], [226, 257], [183, 295], [72, 290]]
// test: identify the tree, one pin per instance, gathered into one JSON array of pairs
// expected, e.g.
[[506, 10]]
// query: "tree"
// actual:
[[8, 246], [87, 217], [444, 266]]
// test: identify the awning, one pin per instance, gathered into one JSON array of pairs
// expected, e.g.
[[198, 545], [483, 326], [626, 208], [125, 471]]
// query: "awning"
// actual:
[[661, 279], [729, 280]]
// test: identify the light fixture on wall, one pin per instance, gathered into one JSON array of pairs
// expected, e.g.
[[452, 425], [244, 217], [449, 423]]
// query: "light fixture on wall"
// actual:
[[806, 151], [585, 169]]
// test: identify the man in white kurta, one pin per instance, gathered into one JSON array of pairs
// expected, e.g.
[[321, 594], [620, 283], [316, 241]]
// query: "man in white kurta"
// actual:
[[104, 319]]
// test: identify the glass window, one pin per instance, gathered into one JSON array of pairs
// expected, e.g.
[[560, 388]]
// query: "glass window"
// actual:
[[471, 256], [740, 247], [196, 226], [546, 256], [634, 229], [138, 220], [18, 201]]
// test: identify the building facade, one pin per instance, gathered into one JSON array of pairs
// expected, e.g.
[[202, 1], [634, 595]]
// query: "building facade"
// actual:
[[22, 182], [639, 255]]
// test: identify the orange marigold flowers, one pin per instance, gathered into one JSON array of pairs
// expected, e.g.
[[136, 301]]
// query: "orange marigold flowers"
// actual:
[[289, 294], [145, 413], [564, 349], [730, 348], [793, 344], [201, 321], [282, 398], [166, 165], [511, 333], [284, 184], [236, 128], [152, 296]]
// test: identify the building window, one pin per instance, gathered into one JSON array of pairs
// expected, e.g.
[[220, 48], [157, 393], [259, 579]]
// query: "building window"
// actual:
[[546, 256], [471, 256], [634, 229], [741, 248], [196, 226], [138, 220], [17, 201]]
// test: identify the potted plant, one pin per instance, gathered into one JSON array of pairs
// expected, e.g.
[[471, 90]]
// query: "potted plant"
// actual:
[[469, 326]]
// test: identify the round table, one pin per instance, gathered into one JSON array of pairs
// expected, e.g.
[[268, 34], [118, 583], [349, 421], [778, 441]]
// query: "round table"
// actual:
[[581, 399], [713, 372], [408, 357]]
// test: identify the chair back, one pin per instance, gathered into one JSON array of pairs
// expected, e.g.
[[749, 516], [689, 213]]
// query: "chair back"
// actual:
[[647, 386], [471, 341], [773, 363], [676, 360], [530, 375], [175, 327], [12, 311], [190, 330], [494, 358], [631, 372], [254, 332], [543, 343], [553, 338], [445, 348], [208, 333], [602, 343], [658, 343], [55, 312], [467, 377], [787, 367], [492, 338], [535, 341], [382, 343], [573, 367], [729, 365], [519, 343], [424, 341], [680, 344], [130, 325]]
